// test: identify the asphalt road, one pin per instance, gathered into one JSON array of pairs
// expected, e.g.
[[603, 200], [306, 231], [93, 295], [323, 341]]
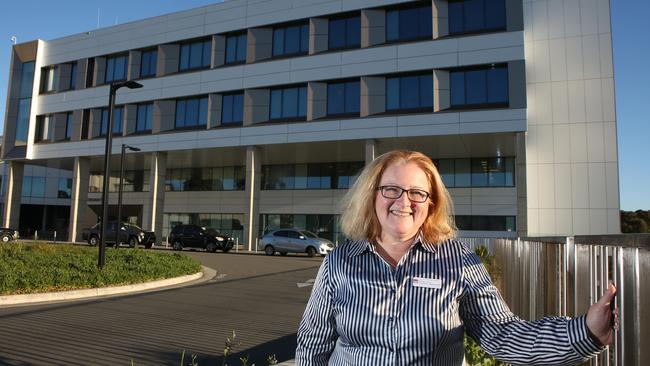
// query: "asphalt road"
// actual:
[[254, 295]]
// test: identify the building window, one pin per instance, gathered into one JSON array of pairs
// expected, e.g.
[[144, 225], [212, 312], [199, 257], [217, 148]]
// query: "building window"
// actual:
[[73, 76], [69, 120], [470, 16], [479, 87], [232, 109], [477, 172], [289, 103], [325, 226], [205, 179], [118, 120], [144, 118], [343, 98], [236, 49], [344, 33], [65, 188], [413, 92], [134, 181], [191, 113], [409, 24], [485, 223], [33, 187], [44, 128], [90, 72], [48, 77], [148, 61], [310, 176], [195, 55], [291, 40], [116, 67]]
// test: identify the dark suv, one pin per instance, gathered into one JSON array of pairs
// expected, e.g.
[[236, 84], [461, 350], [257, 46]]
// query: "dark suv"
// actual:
[[129, 234], [194, 236]]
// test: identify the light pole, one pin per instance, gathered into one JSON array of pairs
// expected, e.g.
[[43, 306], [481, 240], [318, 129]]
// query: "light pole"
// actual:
[[107, 159], [120, 190]]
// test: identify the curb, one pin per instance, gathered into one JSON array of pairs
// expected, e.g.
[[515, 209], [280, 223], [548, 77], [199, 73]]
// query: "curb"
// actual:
[[206, 274]]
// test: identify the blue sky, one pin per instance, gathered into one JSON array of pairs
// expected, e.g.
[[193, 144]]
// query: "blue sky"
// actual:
[[31, 19]]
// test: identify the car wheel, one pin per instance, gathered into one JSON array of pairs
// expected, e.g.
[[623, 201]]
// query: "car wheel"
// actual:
[[133, 242], [5, 238], [311, 252], [93, 240], [269, 250], [177, 245], [211, 247]]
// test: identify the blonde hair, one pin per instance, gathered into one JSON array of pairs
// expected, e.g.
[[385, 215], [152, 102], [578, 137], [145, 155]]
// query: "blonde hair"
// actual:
[[359, 220]]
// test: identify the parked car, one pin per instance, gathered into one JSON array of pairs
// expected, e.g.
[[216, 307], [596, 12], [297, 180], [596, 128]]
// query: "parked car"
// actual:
[[7, 234], [294, 241], [194, 236], [129, 234]]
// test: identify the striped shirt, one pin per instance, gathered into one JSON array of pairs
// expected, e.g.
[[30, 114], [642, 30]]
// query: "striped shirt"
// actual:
[[363, 312]]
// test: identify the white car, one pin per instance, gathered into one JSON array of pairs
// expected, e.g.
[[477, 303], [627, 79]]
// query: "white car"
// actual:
[[294, 241]]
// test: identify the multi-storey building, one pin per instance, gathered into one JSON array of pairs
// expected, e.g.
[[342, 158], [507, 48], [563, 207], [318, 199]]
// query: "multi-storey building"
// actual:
[[259, 114]]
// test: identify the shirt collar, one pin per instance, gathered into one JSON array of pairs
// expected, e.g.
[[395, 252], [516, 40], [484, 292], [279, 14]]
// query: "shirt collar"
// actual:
[[361, 246]]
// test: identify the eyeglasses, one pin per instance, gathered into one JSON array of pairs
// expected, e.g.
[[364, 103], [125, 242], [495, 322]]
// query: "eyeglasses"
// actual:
[[395, 192]]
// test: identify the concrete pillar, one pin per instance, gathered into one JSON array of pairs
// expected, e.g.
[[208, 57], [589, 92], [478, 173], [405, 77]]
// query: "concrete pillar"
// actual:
[[253, 184], [164, 113], [135, 59], [256, 106], [77, 121], [316, 100], [130, 118], [373, 95], [99, 77], [259, 44], [373, 27], [95, 122], [517, 84], [79, 199], [152, 213], [318, 35], [441, 90], [59, 123], [440, 18], [521, 184], [82, 67], [214, 110], [371, 151], [13, 193], [218, 51], [514, 15], [168, 58]]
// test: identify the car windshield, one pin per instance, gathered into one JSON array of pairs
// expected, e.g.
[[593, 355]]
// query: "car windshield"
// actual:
[[309, 234]]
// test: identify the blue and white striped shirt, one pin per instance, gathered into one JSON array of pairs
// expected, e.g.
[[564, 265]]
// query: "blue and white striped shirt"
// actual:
[[362, 312]]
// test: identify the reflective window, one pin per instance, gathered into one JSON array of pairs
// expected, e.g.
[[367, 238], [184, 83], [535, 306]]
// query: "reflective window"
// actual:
[[485, 223], [475, 87], [236, 48], [232, 111], [26, 80], [310, 176], [118, 121], [409, 24], [291, 40], [477, 172], [44, 128], [409, 92], [73, 76], [33, 187], [144, 118], [469, 16], [344, 33], [343, 98], [191, 112], [69, 120], [48, 77], [289, 103], [134, 181], [206, 179], [195, 55], [65, 188], [148, 63], [116, 67]]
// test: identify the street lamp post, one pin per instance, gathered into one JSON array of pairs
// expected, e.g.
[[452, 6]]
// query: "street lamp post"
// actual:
[[107, 159], [120, 190]]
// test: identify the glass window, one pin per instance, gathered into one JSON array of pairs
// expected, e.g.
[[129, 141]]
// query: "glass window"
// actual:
[[409, 24], [343, 98], [289, 103], [148, 63], [69, 121], [118, 121], [310, 176], [476, 87], [44, 128], [144, 117], [65, 188], [116, 67], [195, 55], [48, 76], [73, 76], [344, 33], [291, 40], [38, 187], [236, 48], [468, 16], [26, 80], [232, 111], [191, 112], [409, 92]]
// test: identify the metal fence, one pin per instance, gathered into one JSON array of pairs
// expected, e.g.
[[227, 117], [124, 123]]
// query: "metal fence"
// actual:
[[563, 277]]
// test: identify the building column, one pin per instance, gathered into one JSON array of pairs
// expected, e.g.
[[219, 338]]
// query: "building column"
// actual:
[[373, 27], [152, 213], [440, 18], [441, 90], [253, 185], [318, 35], [371, 151], [259, 44], [214, 110], [130, 119], [218, 51], [135, 59], [79, 197], [373, 95], [256, 106], [11, 215], [521, 184], [316, 100]]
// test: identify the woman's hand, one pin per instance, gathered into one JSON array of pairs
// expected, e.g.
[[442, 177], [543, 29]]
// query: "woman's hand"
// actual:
[[601, 321]]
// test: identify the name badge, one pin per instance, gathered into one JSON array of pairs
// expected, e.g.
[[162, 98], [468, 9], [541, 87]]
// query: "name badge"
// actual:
[[427, 282]]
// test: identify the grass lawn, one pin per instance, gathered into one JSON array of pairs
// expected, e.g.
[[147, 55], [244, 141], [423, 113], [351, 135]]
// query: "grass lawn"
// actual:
[[35, 267]]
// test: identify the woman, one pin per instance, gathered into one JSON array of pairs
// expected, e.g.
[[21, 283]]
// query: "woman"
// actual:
[[403, 292]]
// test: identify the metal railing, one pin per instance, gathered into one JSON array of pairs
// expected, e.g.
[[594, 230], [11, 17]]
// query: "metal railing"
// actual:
[[564, 276]]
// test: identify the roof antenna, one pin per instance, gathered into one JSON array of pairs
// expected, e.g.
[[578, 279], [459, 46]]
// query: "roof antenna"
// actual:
[[97, 18]]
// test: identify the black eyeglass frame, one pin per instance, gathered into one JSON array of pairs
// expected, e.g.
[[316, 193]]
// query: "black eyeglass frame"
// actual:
[[408, 193]]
